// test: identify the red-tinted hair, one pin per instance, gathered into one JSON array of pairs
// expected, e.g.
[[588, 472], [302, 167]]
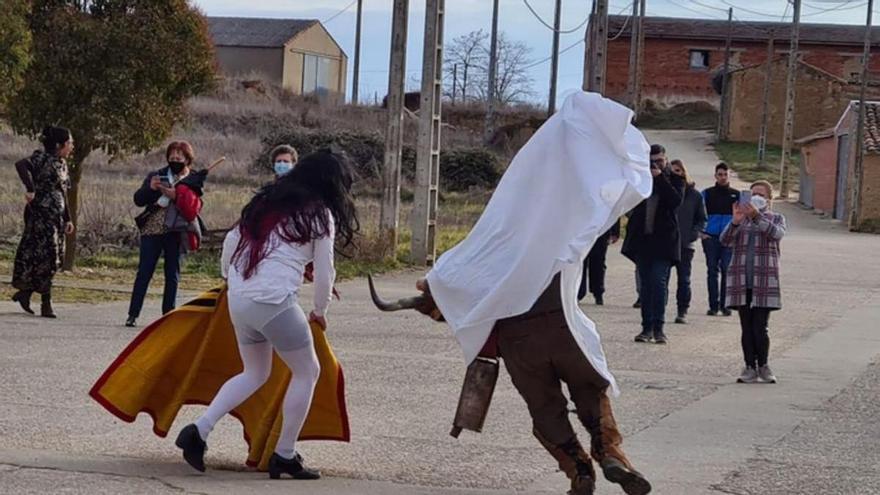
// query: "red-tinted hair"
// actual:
[[184, 147]]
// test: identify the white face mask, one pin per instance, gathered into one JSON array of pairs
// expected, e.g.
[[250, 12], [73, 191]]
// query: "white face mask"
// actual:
[[282, 168], [759, 203]]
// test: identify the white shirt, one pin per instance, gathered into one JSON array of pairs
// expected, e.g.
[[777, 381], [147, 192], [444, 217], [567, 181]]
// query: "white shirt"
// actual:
[[583, 169], [280, 273]]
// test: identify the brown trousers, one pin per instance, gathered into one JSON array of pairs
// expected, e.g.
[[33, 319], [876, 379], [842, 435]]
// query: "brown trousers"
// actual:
[[540, 354]]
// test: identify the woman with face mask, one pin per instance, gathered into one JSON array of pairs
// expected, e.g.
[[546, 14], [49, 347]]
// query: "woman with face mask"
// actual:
[[169, 207], [284, 157], [41, 248], [753, 287]]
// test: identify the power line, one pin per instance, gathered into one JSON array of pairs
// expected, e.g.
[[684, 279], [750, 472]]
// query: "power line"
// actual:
[[622, 28], [539, 62], [334, 16], [750, 11], [845, 6], [551, 28], [685, 7], [709, 6]]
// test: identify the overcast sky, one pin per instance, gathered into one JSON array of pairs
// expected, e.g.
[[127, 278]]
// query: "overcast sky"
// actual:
[[515, 20]]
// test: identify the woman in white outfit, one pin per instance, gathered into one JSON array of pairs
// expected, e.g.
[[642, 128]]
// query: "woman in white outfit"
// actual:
[[289, 223]]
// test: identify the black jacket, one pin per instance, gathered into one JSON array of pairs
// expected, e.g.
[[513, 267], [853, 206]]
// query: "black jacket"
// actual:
[[146, 196], [691, 218], [665, 240]]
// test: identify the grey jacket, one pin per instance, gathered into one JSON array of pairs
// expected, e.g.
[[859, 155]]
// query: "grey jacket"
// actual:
[[691, 218]]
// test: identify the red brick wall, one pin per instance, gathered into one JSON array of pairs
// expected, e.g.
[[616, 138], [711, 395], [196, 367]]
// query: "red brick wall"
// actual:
[[820, 159], [667, 76]]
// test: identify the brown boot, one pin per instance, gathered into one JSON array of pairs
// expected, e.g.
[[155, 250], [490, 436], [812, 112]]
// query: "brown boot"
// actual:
[[605, 442], [574, 462]]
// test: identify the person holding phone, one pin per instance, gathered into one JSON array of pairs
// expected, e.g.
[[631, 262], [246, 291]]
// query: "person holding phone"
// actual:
[[753, 287], [653, 242], [719, 200], [168, 208]]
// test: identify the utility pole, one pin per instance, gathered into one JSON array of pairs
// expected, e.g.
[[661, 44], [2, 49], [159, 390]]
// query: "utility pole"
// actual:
[[424, 215], [589, 41], [600, 48], [635, 27], [554, 62], [640, 64], [355, 80], [790, 81], [859, 169], [454, 81], [390, 209], [765, 110], [493, 67], [723, 115]]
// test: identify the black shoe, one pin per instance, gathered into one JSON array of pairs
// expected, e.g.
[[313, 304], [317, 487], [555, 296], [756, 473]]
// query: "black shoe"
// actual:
[[726, 312], [637, 304], [131, 322], [712, 312], [599, 300], [23, 298], [193, 447], [644, 337], [660, 338], [46, 306], [681, 319], [632, 481], [294, 467]]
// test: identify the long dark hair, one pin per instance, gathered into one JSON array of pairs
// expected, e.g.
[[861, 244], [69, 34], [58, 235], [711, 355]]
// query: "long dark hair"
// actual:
[[297, 206]]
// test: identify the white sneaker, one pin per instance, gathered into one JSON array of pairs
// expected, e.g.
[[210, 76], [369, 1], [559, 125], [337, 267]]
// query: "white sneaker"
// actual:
[[766, 375], [749, 375]]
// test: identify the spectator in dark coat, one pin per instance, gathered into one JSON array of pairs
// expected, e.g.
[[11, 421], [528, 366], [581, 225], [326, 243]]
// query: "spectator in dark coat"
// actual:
[[594, 265], [653, 242], [719, 200], [691, 221]]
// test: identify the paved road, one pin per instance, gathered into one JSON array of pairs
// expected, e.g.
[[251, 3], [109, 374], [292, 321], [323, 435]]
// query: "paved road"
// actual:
[[687, 425]]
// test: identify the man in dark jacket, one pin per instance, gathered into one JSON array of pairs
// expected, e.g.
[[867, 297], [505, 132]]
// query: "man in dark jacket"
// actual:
[[719, 200], [653, 242]]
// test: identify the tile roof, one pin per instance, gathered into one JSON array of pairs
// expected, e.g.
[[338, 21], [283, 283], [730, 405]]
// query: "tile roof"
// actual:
[[716, 29], [255, 32], [872, 126]]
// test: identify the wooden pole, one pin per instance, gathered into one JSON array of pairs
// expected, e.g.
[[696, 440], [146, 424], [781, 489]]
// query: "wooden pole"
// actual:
[[554, 60], [723, 117], [791, 80], [355, 80], [765, 105], [390, 208], [493, 68], [859, 169]]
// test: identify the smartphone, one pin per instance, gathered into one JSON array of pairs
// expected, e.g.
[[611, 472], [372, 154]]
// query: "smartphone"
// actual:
[[745, 197]]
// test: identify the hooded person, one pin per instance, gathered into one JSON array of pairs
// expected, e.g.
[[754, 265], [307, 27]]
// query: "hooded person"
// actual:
[[510, 288]]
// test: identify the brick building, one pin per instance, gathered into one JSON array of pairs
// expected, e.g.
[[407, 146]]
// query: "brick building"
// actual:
[[683, 55], [821, 98], [828, 168]]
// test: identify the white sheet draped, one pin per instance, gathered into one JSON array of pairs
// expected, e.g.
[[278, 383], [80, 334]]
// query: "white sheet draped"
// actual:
[[584, 168]]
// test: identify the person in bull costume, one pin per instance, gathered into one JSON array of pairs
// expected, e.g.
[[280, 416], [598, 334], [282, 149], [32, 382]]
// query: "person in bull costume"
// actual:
[[510, 288]]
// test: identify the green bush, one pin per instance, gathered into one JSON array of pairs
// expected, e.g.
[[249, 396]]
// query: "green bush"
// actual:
[[463, 169]]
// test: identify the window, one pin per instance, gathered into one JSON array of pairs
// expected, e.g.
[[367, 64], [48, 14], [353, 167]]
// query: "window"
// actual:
[[316, 75], [699, 59]]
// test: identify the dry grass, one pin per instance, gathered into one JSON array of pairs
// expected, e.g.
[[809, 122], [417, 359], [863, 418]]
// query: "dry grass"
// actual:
[[230, 123]]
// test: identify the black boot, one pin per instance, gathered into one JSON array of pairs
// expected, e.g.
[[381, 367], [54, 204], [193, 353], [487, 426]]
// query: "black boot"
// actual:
[[23, 298], [294, 467], [193, 447], [46, 306]]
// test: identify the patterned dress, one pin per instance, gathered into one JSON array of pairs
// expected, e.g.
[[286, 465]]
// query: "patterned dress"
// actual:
[[41, 248]]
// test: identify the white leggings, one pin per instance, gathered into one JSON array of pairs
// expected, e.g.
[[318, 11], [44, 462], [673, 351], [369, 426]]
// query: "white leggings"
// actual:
[[256, 356]]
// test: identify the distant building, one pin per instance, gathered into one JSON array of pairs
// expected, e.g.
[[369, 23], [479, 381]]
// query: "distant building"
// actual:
[[298, 54], [682, 56]]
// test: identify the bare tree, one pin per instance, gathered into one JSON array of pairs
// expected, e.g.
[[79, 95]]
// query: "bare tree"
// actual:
[[470, 54], [512, 81]]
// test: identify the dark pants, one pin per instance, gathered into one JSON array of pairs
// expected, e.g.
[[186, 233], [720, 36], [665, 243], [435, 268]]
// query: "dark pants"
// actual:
[[594, 269], [654, 278], [683, 277], [153, 246], [717, 260], [755, 338], [540, 354]]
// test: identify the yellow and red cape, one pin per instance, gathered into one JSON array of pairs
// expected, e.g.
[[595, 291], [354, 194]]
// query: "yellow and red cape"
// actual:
[[188, 354]]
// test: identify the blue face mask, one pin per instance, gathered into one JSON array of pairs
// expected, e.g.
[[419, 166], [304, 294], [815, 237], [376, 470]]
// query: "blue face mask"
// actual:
[[282, 168]]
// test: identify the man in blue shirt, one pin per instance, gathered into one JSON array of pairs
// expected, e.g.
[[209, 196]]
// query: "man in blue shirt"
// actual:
[[719, 200]]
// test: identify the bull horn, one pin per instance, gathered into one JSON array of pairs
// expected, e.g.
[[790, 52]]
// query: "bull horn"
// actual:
[[405, 303]]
